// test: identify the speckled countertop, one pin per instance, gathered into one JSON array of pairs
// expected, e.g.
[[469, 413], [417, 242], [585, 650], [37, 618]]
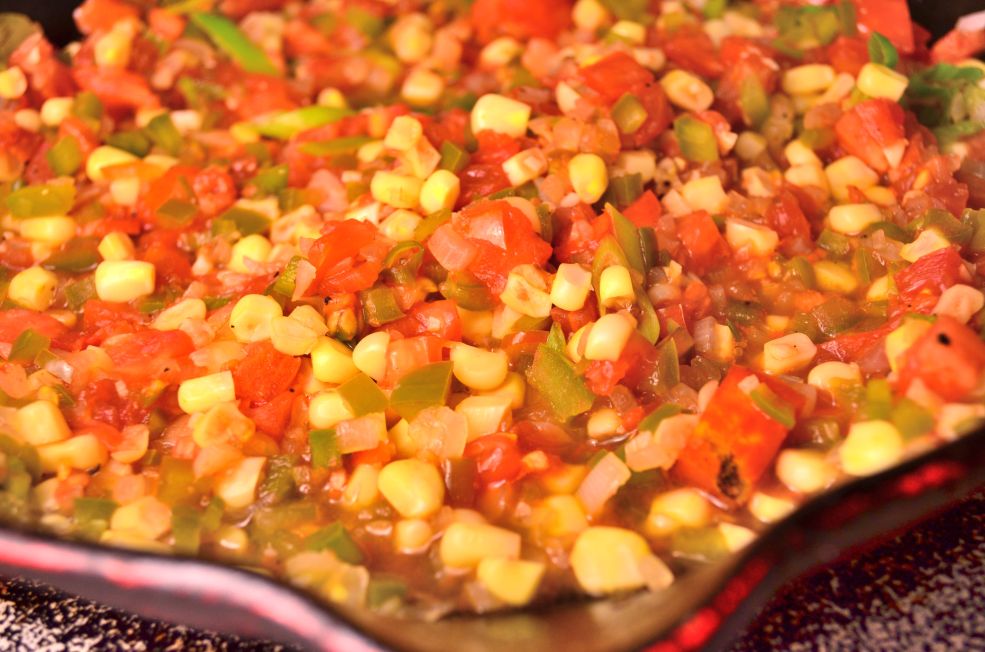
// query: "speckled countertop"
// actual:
[[921, 590]]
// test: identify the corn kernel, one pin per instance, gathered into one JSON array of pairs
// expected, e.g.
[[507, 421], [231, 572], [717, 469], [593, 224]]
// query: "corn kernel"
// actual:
[[479, 369], [104, 157], [525, 166], [589, 15], [679, 508], [687, 91], [808, 79], [28, 120], [310, 317], [828, 374], [840, 88], [876, 80], [788, 353], [900, 339], [410, 37], [804, 176], [604, 423], [929, 241], [880, 196], [589, 177], [500, 114], [33, 288], [526, 292], [849, 171], [705, 193], [328, 408], [608, 336], [404, 133], [397, 190], [961, 302], [146, 518], [173, 317], [369, 355], [254, 247], [769, 509], [55, 110], [13, 83], [512, 581], [116, 246], [484, 414], [422, 87], [222, 423], [607, 560], [870, 447], [412, 535], [414, 488], [834, 277], [361, 490], [750, 145], [616, 287], [500, 52], [513, 388], [112, 50], [200, 394], [629, 31], [52, 231], [805, 471], [124, 280], [237, 487], [41, 422], [401, 224], [571, 286], [81, 452], [798, 153], [331, 361], [291, 337], [642, 162], [736, 537], [755, 239], [879, 290], [440, 191], [465, 545], [853, 219], [561, 516], [251, 316]]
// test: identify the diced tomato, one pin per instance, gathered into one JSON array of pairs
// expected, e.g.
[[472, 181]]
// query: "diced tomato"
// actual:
[[439, 318], [176, 183], [264, 372], [930, 274], [602, 376], [523, 344], [949, 359], [869, 128], [165, 24], [958, 45], [484, 175], [348, 258], [519, 18], [658, 116], [788, 220], [49, 77], [451, 249], [571, 320], [743, 59], [449, 125], [100, 15], [160, 248], [147, 355], [73, 127], [273, 416], [101, 402], [214, 190], [14, 321], [497, 458], [115, 87], [848, 54], [645, 211], [891, 18], [303, 39], [732, 444], [692, 49], [262, 94], [849, 347], [406, 355], [615, 75], [102, 319], [374, 456], [704, 245]]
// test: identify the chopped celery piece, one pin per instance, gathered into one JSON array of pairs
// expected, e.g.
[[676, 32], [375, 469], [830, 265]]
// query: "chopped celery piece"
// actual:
[[696, 139], [272, 180], [467, 291], [453, 157], [403, 261], [177, 212], [422, 388], [629, 114], [555, 339], [164, 134], [186, 527], [380, 306], [42, 201], [324, 448], [555, 378], [133, 141], [754, 101], [240, 220], [835, 244], [283, 286], [431, 223], [28, 345], [279, 483], [650, 422], [75, 256], [65, 156], [230, 39], [363, 395], [773, 406], [337, 539], [283, 126], [911, 419]]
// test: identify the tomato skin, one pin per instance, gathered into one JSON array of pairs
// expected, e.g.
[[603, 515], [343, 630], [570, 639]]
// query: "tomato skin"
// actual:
[[658, 116], [14, 321], [116, 88], [100, 15], [958, 45], [785, 216], [931, 274], [891, 18], [99, 402], [645, 211], [375, 456], [849, 347], [848, 54], [615, 75], [693, 50], [49, 77], [949, 358], [75, 128], [704, 245], [160, 248], [164, 24], [743, 58], [146, 355], [173, 184], [497, 458], [214, 189], [264, 373], [484, 175], [519, 19], [103, 319], [868, 128], [273, 416], [439, 318], [348, 258], [571, 320]]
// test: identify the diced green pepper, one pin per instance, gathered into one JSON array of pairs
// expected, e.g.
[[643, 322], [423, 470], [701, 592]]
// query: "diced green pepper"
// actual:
[[628, 237], [624, 190], [283, 126], [336, 146], [878, 399], [554, 377], [42, 200], [650, 422], [177, 481], [555, 339], [369, 24], [431, 223], [882, 51], [92, 515], [701, 544], [453, 157], [836, 244], [186, 528], [714, 8], [271, 180], [754, 101], [380, 306], [28, 345], [22, 451], [629, 114], [279, 484], [164, 134], [65, 156], [75, 256], [773, 406], [337, 539], [230, 39], [422, 388], [177, 212], [324, 448], [133, 141], [77, 293], [975, 219], [946, 224], [240, 220], [382, 591], [893, 231], [404, 261], [283, 286], [649, 323], [911, 419], [696, 139], [836, 315], [363, 395]]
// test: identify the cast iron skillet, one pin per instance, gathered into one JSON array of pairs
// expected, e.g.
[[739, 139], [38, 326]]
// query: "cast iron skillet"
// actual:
[[707, 607]]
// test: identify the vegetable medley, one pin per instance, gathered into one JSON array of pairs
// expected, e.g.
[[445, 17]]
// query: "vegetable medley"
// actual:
[[464, 305]]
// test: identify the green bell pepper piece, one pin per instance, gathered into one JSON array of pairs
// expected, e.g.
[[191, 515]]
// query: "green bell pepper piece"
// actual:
[[324, 448], [422, 388], [380, 306], [240, 220], [696, 139], [363, 395], [28, 345], [773, 406], [42, 201], [337, 539], [283, 126], [230, 39], [555, 378]]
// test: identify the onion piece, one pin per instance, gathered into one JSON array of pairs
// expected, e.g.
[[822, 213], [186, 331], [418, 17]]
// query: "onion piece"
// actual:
[[602, 483]]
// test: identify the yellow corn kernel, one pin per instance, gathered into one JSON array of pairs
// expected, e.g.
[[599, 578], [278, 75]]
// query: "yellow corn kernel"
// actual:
[[589, 15], [512, 581], [629, 31], [642, 162], [961, 302], [244, 133], [146, 518], [251, 316], [750, 145], [484, 414], [803, 176], [808, 79], [607, 560], [876, 80], [465, 545], [52, 231], [33, 288], [828, 374], [404, 133], [525, 166], [798, 153], [501, 114], [66, 317], [687, 91], [237, 486], [412, 536], [414, 488], [116, 246], [571, 286], [769, 509], [604, 423], [55, 110], [254, 247], [440, 191], [80, 452], [397, 190], [526, 292], [137, 437], [113, 48], [479, 369], [879, 290], [291, 337], [370, 152], [41, 422], [736, 537], [200, 394], [616, 287], [422, 87], [401, 224], [28, 120], [13, 83], [834, 277], [929, 241], [476, 325], [705, 193], [124, 280], [410, 37], [880, 196], [788, 353], [680, 508], [720, 346], [222, 423], [561, 516], [104, 157], [172, 317], [900, 339], [870, 447], [853, 219], [755, 239], [310, 317], [232, 540], [361, 490], [849, 171], [369, 355], [805, 471], [608, 336], [328, 408], [500, 52], [331, 361], [514, 388], [589, 177]]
